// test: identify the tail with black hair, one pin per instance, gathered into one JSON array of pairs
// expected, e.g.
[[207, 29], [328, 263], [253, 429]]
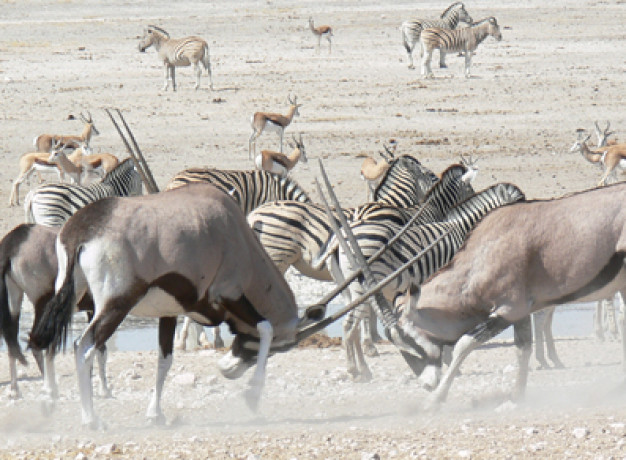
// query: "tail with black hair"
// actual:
[[50, 331], [9, 325]]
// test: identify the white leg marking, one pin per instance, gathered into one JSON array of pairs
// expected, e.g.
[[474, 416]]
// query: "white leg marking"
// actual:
[[257, 381], [154, 412]]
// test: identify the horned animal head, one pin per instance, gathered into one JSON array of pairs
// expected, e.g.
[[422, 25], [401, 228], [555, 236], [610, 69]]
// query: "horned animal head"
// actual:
[[294, 103], [580, 143], [299, 143], [88, 120]]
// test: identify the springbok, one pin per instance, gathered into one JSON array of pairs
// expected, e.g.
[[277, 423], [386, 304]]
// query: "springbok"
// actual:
[[177, 52], [279, 163], [372, 171], [319, 32], [46, 142], [99, 164], [612, 157], [276, 122], [521, 258], [29, 266], [39, 162]]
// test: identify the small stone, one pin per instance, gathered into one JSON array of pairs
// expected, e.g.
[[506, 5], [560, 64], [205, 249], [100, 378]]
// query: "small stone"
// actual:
[[465, 454], [580, 433], [188, 379], [106, 449], [531, 430], [80, 456]]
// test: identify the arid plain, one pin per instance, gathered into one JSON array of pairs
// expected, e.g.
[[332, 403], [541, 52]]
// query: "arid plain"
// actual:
[[560, 66]]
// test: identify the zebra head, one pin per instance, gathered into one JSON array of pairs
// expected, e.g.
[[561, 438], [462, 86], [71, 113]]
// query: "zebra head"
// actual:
[[151, 35], [458, 9], [494, 29]]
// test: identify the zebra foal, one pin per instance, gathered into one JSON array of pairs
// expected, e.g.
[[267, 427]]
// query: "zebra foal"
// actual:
[[462, 40], [450, 18], [53, 204], [177, 52]]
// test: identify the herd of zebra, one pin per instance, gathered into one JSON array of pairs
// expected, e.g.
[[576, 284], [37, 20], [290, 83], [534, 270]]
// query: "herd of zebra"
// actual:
[[422, 212]]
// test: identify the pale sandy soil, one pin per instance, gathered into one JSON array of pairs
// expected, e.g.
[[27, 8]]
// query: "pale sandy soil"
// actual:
[[559, 67]]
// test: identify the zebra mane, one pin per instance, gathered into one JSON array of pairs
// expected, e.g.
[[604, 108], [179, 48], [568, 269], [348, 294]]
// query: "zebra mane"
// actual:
[[158, 29], [121, 168], [406, 162], [443, 175], [450, 8], [482, 21]]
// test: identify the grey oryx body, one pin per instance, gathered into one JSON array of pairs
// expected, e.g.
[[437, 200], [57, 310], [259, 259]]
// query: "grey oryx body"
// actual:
[[449, 19], [29, 267], [249, 189], [464, 40], [177, 52], [53, 204], [164, 255], [518, 260], [373, 234]]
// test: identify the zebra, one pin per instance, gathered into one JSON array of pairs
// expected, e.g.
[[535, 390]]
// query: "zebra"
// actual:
[[53, 204], [405, 183], [463, 40], [294, 234], [249, 189], [449, 19], [372, 235], [177, 52]]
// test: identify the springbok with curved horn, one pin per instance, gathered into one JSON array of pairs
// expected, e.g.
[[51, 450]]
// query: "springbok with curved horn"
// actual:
[[612, 157], [46, 142], [276, 122], [279, 163], [177, 52], [322, 31], [604, 134]]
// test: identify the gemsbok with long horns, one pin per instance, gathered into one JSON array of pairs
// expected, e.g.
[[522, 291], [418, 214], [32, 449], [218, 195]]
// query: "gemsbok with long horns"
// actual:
[[28, 264], [177, 52], [46, 142], [267, 121], [520, 259]]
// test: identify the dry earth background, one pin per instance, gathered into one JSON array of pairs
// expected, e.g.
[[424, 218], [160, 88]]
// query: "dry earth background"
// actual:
[[559, 67]]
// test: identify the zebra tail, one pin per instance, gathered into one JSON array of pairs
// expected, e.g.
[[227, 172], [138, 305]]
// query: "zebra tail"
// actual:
[[50, 330], [206, 59], [9, 326]]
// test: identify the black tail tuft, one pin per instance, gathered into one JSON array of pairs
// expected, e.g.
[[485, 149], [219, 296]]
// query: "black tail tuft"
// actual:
[[9, 326], [50, 331]]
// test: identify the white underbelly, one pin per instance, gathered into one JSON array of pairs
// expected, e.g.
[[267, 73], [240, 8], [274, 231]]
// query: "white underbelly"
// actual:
[[622, 164], [157, 303]]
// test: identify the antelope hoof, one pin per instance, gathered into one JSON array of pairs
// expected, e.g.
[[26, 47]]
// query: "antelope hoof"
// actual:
[[369, 349], [431, 405], [95, 424], [47, 407], [364, 377], [443, 66], [233, 367], [15, 394], [106, 393], [157, 420], [252, 396]]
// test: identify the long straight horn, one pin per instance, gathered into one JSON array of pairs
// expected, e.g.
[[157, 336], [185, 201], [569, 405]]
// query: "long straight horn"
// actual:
[[335, 292], [144, 163], [138, 166], [388, 318], [318, 326]]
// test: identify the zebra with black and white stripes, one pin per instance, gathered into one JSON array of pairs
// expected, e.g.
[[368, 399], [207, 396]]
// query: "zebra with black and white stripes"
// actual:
[[461, 40], [294, 234], [177, 52], [450, 19], [53, 204], [373, 235], [405, 183], [249, 189]]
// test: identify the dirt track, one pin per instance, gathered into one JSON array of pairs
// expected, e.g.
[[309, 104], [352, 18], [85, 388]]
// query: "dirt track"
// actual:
[[558, 68]]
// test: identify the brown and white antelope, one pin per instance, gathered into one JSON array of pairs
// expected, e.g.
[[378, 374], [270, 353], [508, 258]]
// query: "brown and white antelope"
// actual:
[[40, 162], [177, 52], [372, 171], [279, 163], [45, 142], [464, 40], [29, 267], [520, 259], [99, 164], [321, 31], [276, 122], [612, 157]]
